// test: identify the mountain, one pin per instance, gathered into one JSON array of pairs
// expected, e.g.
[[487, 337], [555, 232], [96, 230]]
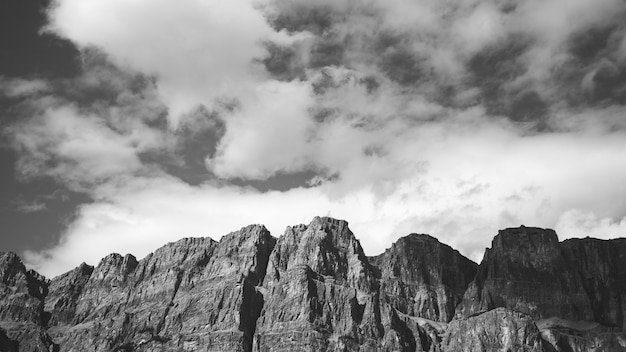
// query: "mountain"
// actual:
[[314, 289]]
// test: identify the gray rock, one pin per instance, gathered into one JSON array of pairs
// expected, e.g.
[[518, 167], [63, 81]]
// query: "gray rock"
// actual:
[[314, 289], [423, 277], [321, 294], [22, 319], [497, 330], [525, 270]]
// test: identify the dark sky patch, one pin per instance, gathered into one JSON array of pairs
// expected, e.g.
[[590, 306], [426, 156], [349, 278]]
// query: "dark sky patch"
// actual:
[[529, 108], [609, 84], [402, 66], [32, 229], [327, 52], [588, 45], [283, 62], [493, 67], [26, 52]]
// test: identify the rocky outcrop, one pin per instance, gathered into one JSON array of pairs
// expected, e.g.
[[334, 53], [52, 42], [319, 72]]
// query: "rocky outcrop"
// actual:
[[64, 292], [191, 293], [321, 294], [499, 329], [423, 277], [525, 270], [601, 264], [563, 335], [23, 321], [314, 289]]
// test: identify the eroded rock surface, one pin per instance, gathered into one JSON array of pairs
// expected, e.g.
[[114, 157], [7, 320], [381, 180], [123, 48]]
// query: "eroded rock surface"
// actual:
[[525, 270], [602, 266], [322, 294], [423, 277], [499, 329], [314, 289], [23, 321]]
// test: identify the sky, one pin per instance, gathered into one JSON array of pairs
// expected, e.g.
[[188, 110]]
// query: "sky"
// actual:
[[129, 124]]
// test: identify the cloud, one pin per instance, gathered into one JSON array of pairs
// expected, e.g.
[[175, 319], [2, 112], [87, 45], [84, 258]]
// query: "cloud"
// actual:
[[455, 119], [199, 51], [579, 223], [268, 134], [19, 88], [476, 182], [77, 149]]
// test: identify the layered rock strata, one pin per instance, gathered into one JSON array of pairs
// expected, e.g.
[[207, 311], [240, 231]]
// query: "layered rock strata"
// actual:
[[313, 289], [423, 277]]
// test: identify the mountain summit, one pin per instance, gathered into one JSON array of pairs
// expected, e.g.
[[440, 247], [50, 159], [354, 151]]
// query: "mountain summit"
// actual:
[[314, 289]]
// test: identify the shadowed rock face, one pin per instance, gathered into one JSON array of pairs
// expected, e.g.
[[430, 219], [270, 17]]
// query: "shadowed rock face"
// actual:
[[602, 268], [22, 318], [423, 277], [314, 289], [525, 271]]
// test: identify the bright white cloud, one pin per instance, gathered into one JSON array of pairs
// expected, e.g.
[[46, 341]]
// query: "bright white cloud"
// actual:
[[475, 182], [199, 50], [578, 223], [392, 160], [267, 134], [79, 149]]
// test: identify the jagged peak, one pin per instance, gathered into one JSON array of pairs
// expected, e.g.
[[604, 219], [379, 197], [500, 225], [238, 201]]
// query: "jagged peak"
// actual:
[[251, 231], [10, 258]]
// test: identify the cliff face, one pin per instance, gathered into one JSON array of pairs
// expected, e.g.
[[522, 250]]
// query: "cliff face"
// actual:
[[423, 277], [313, 289], [322, 293], [602, 268], [22, 318], [526, 271]]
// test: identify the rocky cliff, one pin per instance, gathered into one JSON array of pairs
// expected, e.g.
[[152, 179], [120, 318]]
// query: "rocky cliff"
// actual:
[[314, 289]]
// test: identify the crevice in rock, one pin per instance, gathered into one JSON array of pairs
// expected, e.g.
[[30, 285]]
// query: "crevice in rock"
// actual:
[[179, 279]]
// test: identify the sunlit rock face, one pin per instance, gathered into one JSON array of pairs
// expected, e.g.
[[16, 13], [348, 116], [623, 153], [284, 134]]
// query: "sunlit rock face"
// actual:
[[499, 329], [313, 289], [322, 293]]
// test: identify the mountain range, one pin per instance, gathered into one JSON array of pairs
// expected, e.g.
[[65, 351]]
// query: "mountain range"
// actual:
[[314, 289]]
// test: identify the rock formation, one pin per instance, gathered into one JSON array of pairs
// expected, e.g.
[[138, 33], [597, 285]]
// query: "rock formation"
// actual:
[[23, 321], [525, 270], [313, 289], [499, 329], [423, 277]]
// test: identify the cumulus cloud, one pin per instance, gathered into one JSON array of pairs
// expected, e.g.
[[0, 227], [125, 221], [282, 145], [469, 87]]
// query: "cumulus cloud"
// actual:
[[450, 118], [199, 50], [579, 223]]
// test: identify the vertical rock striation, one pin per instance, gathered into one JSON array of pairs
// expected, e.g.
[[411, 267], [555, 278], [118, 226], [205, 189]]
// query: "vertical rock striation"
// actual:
[[423, 277], [22, 318], [322, 294], [314, 289], [499, 329], [524, 270], [191, 293], [602, 266]]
